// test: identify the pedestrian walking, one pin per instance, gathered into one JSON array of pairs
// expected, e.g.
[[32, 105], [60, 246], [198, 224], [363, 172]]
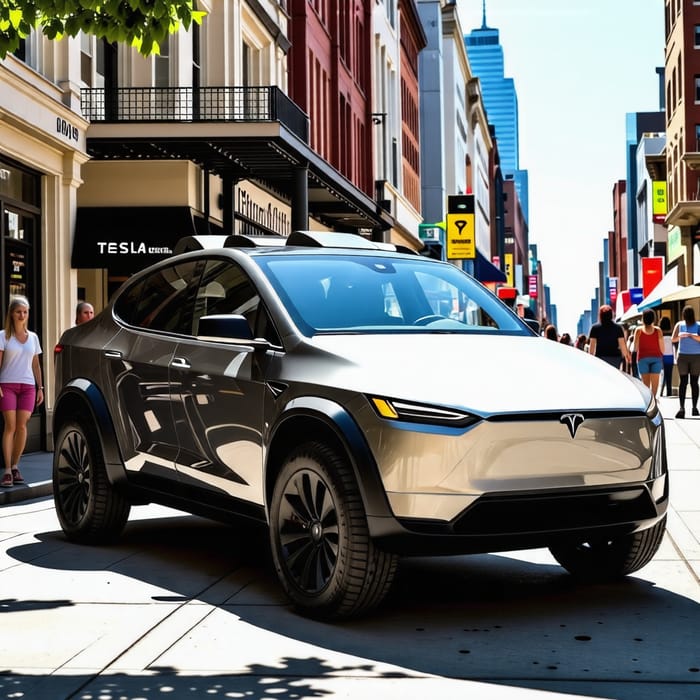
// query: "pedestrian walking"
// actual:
[[84, 311], [649, 346], [687, 334], [550, 332], [669, 356], [21, 387], [565, 339], [582, 342], [607, 339]]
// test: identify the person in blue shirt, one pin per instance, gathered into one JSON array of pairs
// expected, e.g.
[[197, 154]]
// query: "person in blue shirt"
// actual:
[[687, 334]]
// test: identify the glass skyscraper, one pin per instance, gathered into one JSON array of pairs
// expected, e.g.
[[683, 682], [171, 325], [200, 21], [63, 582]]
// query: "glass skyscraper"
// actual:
[[501, 101]]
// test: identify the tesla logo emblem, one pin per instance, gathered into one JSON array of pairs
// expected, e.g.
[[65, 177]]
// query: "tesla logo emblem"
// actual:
[[572, 420]]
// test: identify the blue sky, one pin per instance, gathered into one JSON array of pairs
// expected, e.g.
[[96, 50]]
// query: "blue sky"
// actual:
[[579, 67]]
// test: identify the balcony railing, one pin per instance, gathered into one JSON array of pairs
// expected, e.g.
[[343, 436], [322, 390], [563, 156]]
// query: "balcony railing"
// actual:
[[266, 103]]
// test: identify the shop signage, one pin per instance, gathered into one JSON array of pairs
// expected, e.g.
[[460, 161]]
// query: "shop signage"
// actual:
[[67, 129], [612, 290], [130, 248], [674, 247], [255, 206], [510, 273], [636, 295], [659, 207], [532, 286], [652, 272]]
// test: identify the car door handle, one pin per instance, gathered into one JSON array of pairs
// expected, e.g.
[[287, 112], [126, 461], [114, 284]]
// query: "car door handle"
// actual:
[[179, 363], [113, 354]]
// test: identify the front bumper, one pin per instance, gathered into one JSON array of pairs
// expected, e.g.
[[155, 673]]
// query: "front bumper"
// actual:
[[502, 522]]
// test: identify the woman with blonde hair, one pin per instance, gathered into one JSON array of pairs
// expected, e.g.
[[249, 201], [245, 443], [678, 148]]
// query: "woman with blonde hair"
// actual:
[[20, 385]]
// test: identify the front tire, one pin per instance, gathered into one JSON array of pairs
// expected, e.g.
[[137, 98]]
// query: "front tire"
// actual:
[[607, 559], [323, 554], [89, 509]]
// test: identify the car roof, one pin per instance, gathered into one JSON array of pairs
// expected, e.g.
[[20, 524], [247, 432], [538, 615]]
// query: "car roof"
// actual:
[[296, 239]]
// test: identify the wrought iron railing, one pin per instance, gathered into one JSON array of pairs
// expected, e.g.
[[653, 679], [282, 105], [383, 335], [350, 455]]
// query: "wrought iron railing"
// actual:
[[266, 103]]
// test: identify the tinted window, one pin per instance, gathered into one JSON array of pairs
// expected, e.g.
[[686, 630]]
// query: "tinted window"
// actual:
[[336, 293], [163, 301], [226, 289]]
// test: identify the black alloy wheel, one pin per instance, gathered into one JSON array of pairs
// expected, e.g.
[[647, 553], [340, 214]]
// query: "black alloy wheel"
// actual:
[[324, 557], [606, 559], [88, 507]]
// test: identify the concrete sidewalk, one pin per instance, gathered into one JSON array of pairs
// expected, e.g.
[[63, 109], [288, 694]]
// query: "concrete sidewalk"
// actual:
[[683, 445], [36, 470]]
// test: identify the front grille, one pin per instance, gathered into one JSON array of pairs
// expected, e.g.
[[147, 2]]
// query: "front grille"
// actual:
[[493, 515]]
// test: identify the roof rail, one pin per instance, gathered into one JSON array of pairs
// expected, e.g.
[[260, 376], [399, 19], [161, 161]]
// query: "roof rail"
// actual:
[[312, 239], [332, 239], [240, 240]]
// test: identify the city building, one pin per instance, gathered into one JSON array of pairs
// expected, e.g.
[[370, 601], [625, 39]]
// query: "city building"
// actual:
[[398, 39], [500, 99], [682, 127], [456, 143]]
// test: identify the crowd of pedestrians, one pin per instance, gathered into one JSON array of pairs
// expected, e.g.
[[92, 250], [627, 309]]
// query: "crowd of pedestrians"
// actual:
[[650, 351]]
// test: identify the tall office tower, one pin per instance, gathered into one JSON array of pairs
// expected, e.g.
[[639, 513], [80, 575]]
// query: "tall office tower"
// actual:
[[500, 99], [486, 60]]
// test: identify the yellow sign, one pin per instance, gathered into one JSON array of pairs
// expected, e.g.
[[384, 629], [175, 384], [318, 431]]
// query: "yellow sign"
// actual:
[[461, 241], [510, 273], [659, 208]]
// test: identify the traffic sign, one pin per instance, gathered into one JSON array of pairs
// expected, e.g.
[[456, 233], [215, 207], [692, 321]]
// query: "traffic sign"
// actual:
[[461, 241]]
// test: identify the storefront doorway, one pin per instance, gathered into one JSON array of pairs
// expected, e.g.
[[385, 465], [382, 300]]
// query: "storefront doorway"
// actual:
[[20, 269]]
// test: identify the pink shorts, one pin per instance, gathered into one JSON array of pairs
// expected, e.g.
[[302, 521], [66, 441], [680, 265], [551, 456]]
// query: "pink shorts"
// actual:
[[18, 397]]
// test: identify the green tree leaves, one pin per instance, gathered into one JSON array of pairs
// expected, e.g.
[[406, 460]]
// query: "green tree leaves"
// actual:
[[143, 24]]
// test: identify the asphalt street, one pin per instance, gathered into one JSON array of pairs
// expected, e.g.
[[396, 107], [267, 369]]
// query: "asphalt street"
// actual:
[[185, 608]]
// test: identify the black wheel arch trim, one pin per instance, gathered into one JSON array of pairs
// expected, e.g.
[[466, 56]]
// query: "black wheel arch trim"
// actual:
[[362, 461], [90, 396]]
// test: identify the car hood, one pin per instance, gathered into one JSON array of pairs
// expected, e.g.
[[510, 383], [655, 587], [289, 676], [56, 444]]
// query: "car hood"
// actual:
[[483, 373]]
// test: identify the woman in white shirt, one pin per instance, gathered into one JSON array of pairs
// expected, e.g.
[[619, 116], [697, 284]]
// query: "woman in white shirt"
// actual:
[[20, 385]]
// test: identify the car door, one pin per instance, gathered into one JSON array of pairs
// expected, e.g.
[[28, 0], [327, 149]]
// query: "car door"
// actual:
[[154, 313], [221, 392]]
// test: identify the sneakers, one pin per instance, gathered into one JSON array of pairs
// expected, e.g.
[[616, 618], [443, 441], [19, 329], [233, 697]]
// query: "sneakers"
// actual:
[[11, 478], [681, 413]]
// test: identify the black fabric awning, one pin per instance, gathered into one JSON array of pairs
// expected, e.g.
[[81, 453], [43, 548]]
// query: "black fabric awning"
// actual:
[[124, 240], [486, 271]]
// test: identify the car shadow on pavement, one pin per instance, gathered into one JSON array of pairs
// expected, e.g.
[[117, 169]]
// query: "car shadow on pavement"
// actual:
[[497, 619]]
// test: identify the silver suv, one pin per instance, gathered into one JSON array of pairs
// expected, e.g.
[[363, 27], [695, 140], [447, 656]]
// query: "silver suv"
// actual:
[[364, 403]]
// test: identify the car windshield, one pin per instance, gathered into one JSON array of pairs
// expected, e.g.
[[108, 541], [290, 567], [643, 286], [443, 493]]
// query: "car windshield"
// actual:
[[337, 293]]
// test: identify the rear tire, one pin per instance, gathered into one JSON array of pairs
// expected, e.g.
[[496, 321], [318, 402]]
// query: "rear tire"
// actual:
[[89, 509], [605, 559], [322, 551]]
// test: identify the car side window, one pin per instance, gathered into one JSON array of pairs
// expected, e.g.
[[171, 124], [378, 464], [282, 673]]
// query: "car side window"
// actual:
[[225, 288], [163, 301]]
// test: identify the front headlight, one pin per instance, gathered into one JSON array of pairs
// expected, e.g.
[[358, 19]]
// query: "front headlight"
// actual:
[[400, 410]]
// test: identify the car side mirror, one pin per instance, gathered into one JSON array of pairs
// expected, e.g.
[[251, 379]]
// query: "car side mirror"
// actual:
[[229, 328]]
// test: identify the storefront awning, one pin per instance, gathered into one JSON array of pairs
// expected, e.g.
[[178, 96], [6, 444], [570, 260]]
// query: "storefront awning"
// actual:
[[124, 240], [667, 285], [486, 271]]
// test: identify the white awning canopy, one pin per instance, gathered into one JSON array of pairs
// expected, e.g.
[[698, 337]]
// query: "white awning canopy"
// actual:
[[684, 293], [667, 285]]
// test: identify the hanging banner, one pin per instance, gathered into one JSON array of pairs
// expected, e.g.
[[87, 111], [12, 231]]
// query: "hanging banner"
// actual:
[[652, 272], [532, 286]]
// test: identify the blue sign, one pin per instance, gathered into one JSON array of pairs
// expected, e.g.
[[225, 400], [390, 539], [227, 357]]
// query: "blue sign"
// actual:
[[636, 295]]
